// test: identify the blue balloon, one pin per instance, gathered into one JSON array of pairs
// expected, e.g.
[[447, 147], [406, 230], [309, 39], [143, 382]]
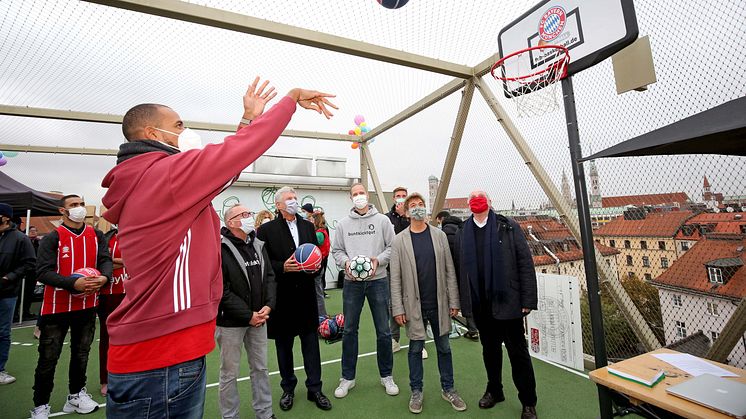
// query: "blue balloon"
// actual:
[[365, 129]]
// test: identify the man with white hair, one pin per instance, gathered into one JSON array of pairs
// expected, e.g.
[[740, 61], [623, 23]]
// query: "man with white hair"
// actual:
[[498, 287], [295, 312]]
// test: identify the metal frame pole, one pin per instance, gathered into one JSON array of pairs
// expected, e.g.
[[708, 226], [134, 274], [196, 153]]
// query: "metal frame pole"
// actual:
[[374, 177], [453, 147], [586, 237]]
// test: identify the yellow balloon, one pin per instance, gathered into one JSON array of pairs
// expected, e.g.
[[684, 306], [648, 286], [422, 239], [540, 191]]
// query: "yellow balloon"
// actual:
[[358, 131], [363, 124]]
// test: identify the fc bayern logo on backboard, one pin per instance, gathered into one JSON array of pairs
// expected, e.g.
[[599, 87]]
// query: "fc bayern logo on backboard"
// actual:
[[552, 23]]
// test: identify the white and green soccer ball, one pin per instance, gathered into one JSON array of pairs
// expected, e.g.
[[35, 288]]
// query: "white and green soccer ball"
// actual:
[[361, 267]]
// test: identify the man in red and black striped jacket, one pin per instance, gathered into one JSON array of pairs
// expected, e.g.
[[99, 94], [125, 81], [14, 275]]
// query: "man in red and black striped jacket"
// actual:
[[109, 298], [69, 304]]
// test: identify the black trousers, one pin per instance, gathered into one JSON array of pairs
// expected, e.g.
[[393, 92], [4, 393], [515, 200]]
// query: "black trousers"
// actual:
[[54, 327], [309, 343], [492, 334]]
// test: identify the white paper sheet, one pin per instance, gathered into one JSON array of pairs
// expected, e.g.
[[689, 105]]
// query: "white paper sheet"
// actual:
[[693, 365]]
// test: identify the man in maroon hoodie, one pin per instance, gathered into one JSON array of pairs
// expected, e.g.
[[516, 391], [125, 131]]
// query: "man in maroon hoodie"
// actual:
[[160, 196]]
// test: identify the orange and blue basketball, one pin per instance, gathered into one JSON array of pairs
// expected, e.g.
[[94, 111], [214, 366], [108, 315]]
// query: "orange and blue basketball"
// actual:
[[328, 329], [340, 320], [392, 4], [308, 257]]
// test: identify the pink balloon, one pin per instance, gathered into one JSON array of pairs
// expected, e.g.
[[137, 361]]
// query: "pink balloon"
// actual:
[[359, 119], [3, 161]]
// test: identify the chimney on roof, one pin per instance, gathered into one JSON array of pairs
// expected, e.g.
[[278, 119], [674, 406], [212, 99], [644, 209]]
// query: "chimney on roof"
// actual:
[[634, 213]]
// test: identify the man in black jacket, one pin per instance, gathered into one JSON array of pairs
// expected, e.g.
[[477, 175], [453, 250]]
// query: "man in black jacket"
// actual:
[[296, 311], [16, 258], [398, 217], [451, 225], [248, 299], [498, 287]]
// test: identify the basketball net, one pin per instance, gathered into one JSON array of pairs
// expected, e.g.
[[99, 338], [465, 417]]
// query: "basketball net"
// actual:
[[533, 90]]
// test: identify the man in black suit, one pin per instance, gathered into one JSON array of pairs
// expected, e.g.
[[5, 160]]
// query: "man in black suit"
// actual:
[[296, 311]]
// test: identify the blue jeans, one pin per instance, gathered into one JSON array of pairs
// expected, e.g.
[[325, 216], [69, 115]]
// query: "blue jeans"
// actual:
[[177, 391], [7, 305], [353, 296], [445, 362]]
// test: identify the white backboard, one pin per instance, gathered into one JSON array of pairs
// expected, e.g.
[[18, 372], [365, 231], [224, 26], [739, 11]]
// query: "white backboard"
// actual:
[[592, 30]]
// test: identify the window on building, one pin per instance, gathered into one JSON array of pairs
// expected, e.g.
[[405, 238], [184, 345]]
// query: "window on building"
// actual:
[[643, 244], [608, 262], [714, 336], [627, 244], [612, 243], [630, 274], [680, 329], [646, 261], [572, 264], [662, 245], [743, 228], [684, 246], [664, 263], [648, 277], [629, 260], [543, 271], [715, 275], [677, 300], [712, 308]]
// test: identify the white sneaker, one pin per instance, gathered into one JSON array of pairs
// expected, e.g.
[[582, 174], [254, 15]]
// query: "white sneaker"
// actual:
[[424, 353], [41, 412], [6, 378], [391, 388], [344, 387], [395, 346], [80, 403]]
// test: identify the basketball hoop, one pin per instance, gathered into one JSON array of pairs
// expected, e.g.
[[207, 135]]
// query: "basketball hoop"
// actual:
[[530, 77]]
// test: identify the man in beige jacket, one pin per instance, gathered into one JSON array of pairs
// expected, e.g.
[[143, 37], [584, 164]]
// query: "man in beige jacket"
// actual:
[[424, 290]]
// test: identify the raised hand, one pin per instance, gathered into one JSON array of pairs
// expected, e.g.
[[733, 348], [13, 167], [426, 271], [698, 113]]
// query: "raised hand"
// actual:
[[314, 100], [256, 99]]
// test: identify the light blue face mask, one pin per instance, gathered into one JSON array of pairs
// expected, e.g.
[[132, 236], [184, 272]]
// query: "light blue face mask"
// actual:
[[418, 213], [291, 206]]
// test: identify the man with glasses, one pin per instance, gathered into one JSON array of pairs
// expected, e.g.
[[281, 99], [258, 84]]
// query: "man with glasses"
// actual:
[[248, 299]]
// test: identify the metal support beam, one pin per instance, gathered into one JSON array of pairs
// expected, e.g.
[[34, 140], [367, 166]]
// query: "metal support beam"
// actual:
[[485, 66], [363, 167], [374, 176], [730, 335], [117, 119], [607, 276], [58, 150], [420, 105], [458, 131], [237, 22]]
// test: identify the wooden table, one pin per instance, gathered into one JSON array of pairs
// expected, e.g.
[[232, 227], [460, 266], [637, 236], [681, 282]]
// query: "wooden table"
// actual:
[[657, 395]]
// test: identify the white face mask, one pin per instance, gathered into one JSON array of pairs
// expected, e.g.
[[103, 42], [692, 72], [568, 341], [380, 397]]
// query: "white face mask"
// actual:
[[266, 220], [188, 139], [247, 225], [77, 214], [291, 206], [360, 201], [400, 200]]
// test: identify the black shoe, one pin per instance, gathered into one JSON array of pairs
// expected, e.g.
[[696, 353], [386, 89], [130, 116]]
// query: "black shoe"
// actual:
[[489, 400], [529, 412], [286, 400], [472, 335], [322, 402]]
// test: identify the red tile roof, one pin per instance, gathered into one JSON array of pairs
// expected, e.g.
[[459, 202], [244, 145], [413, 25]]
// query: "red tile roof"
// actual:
[[456, 203], [639, 200], [572, 255], [724, 223], [657, 224], [689, 271]]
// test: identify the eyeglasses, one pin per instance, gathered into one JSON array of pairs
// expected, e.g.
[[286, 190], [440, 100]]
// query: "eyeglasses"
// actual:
[[242, 215]]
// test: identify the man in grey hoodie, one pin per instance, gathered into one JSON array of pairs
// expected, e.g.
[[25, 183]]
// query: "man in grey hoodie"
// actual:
[[365, 232]]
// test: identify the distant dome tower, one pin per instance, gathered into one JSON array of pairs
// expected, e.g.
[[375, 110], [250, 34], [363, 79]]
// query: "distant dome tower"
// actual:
[[566, 191], [433, 184], [595, 186]]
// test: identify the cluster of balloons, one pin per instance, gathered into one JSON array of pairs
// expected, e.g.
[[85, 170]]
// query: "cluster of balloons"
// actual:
[[4, 157], [360, 129]]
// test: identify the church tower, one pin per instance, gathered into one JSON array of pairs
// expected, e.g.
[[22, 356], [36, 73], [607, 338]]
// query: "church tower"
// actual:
[[595, 186]]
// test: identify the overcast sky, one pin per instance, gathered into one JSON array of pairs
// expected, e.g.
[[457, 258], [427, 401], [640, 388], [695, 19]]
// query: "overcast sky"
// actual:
[[75, 55]]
